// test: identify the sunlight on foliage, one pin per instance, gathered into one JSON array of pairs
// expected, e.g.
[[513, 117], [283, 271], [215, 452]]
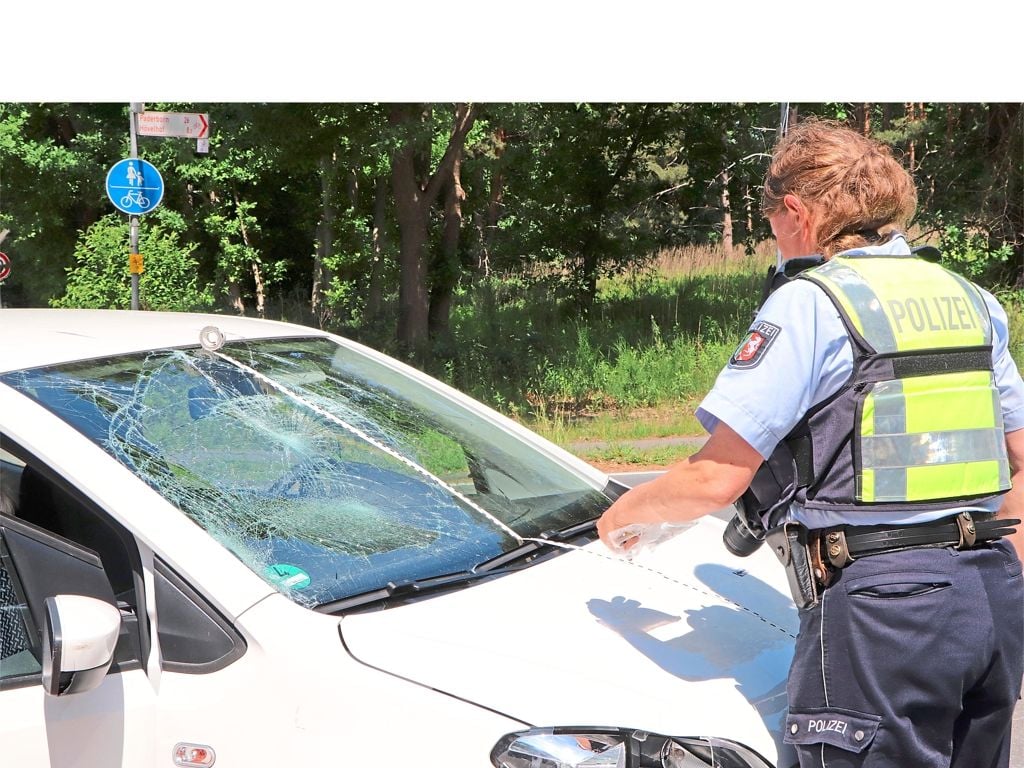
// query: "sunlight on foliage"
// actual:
[[100, 278]]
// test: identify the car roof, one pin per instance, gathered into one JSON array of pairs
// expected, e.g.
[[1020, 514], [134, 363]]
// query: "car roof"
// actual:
[[30, 338]]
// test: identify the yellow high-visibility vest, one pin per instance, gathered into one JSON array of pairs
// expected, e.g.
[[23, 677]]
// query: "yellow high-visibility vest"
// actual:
[[919, 422]]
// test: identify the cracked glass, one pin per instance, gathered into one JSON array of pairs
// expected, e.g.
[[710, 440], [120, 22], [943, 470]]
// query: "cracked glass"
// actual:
[[327, 470]]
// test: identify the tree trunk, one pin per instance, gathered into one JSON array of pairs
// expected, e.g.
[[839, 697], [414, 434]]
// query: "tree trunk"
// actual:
[[375, 294], [864, 118], [723, 179], [494, 205], [235, 299], [446, 267], [261, 293], [412, 228], [911, 144], [748, 205], [324, 238], [413, 199]]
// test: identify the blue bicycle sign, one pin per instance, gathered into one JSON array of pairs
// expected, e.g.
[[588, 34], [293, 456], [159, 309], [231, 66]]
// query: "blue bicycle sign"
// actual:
[[134, 186]]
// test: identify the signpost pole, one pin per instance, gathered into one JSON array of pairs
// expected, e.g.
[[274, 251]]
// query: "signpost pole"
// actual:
[[5, 271], [135, 186], [134, 260]]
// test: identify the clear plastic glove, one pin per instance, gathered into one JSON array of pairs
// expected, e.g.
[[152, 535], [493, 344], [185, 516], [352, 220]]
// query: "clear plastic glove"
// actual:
[[636, 538]]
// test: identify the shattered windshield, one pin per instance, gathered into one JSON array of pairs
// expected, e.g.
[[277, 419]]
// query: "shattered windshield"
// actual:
[[326, 471]]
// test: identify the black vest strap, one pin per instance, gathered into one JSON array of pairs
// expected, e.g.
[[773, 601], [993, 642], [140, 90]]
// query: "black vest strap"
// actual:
[[928, 253], [870, 367], [777, 278], [944, 361], [803, 457]]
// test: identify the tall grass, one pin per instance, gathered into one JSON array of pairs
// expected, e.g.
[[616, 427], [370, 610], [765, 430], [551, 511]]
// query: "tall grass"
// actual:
[[655, 336]]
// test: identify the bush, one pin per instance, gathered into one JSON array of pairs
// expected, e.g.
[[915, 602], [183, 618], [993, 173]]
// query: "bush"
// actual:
[[1013, 303], [969, 254], [100, 278]]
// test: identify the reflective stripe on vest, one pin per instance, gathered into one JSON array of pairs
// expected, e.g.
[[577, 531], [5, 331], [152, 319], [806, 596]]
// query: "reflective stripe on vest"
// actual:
[[924, 437], [901, 310]]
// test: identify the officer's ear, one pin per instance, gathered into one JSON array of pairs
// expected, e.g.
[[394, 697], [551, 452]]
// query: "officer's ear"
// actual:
[[805, 222], [796, 207]]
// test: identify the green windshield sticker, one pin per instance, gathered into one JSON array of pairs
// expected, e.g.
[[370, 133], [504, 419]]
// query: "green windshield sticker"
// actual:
[[288, 576]]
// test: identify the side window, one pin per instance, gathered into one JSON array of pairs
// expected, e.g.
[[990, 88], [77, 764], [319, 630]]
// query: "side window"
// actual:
[[10, 480], [16, 659], [44, 501], [35, 495]]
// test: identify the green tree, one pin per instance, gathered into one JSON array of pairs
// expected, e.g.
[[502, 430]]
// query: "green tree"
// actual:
[[53, 163], [378, 219], [589, 189], [222, 195], [569, 176]]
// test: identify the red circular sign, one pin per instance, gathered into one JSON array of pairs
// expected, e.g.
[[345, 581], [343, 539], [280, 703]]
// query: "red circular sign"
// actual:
[[5, 266]]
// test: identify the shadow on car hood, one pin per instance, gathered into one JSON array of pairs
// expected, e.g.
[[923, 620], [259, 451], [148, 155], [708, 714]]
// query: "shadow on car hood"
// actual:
[[687, 640]]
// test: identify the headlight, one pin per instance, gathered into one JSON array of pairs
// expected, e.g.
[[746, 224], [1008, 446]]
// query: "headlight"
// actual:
[[618, 748]]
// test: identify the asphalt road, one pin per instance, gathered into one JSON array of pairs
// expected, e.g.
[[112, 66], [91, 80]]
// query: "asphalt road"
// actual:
[[1016, 747]]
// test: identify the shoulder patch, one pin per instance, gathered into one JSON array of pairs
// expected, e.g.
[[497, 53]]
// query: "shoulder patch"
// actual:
[[753, 348]]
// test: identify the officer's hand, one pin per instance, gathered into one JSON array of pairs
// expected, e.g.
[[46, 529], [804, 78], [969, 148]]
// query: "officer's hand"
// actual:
[[712, 478], [628, 509]]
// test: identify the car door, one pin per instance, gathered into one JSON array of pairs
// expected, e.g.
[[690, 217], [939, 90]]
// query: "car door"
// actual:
[[112, 724]]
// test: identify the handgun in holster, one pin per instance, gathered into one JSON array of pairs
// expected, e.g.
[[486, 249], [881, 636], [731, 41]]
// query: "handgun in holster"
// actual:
[[763, 506], [789, 542]]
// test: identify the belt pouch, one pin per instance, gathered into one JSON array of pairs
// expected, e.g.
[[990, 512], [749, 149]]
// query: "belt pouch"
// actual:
[[789, 543]]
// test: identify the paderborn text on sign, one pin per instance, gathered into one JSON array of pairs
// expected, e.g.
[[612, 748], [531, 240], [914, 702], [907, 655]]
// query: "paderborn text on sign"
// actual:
[[186, 125]]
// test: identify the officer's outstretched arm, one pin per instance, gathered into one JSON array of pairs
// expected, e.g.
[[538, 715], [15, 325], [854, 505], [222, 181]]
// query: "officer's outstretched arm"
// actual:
[[712, 478], [1013, 502]]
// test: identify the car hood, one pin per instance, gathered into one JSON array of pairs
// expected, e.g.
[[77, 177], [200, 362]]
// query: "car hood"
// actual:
[[687, 640]]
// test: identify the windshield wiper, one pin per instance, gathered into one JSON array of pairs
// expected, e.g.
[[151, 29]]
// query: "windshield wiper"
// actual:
[[495, 566], [527, 548], [412, 588]]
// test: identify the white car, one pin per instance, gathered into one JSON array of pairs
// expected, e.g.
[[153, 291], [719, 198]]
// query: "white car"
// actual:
[[235, 542]]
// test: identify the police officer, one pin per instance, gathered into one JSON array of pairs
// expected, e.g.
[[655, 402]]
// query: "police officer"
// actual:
[[879, 390]]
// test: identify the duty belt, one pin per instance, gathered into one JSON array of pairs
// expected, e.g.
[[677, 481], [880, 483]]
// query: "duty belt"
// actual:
[[812, 558], [844, 544]]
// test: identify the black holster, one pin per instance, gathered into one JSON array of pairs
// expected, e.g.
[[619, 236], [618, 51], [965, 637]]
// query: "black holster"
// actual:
[[789, 542]]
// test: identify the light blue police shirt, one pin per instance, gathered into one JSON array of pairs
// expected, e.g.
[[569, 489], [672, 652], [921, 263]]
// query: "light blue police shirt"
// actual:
[[809, 359]]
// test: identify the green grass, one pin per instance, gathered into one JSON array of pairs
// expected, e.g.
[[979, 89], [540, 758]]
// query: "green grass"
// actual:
[[647, 342], [626, 455], [619, 426]]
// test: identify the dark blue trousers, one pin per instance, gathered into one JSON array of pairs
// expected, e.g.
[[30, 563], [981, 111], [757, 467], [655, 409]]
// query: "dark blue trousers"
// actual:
[[911, 659]]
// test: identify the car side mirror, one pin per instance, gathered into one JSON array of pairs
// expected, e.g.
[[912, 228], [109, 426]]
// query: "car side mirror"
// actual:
[[79, 637]]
